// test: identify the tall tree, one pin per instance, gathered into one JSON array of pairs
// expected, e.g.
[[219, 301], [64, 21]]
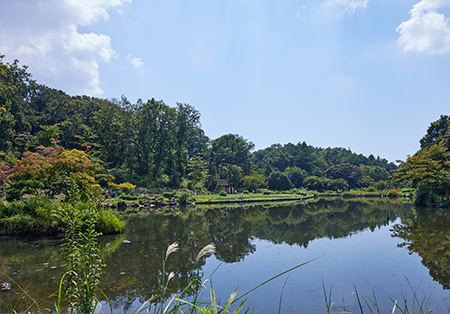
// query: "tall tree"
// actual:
[[438, 132], [230, 149], [16, 90]]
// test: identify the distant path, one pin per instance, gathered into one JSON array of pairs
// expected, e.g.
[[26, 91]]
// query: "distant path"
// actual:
[[240, 200]]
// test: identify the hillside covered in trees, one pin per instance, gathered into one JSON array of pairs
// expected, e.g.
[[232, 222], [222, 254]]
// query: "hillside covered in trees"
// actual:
[[51, 137]]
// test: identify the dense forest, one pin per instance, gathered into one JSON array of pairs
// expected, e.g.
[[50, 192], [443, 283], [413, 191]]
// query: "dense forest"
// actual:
[[48, 138]]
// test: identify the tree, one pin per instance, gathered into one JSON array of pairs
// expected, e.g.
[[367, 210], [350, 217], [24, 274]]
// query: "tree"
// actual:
[[296, 175], [198, 171], [376, 173], [338, 185], [315, 183], [349, 173], [55, 167], [279, 181], [16, 89], [232, 173], [47, 134], [428, 171], [255, 180], [438, 132], [6, 173], [230, 149]]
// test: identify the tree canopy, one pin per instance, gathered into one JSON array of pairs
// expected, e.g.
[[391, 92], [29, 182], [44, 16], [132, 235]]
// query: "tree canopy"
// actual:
[[49, 134]]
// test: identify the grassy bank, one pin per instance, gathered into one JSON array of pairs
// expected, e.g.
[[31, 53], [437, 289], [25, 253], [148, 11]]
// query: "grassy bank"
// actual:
[[40, 215]]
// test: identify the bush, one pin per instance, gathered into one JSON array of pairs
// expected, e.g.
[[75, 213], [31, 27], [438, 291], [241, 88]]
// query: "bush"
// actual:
[[266, 192], [108, 222], [245, 192], [279, 181], [168, 194], [223, 193], [129, 197], [371, 189], [393, 192]]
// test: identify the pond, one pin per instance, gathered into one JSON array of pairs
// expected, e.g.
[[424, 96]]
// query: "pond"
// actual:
[[375, 248]]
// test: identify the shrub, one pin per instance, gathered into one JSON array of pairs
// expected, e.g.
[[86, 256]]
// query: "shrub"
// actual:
[[129, 197], [279, 181], [393, 192], [183, 197], [108, 222], [245, 192], [223, 193], [371, 189], [266, 192], [168, 194]]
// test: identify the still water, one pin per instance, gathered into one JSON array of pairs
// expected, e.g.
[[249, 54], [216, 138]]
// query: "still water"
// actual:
[[380, 248]]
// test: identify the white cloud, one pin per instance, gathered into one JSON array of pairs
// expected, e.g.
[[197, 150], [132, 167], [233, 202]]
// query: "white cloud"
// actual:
[[44, 34], [346, 6], [136, 62], [427, 30]]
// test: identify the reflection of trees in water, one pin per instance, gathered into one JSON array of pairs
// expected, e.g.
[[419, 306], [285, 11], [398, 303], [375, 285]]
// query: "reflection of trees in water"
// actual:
[[426, 231], [232, 230], [331, 219], [133, 271]]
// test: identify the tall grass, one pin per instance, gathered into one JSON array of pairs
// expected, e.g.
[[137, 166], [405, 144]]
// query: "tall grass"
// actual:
[[364, 303]]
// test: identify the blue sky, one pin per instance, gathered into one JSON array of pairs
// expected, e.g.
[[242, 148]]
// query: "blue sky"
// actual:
[[370, 75]]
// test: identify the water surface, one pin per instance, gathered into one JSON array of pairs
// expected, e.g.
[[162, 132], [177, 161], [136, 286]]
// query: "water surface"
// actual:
[[378, 243]]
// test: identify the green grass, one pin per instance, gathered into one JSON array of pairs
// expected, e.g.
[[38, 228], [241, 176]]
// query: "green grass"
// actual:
[[41, 215], [251, 196]]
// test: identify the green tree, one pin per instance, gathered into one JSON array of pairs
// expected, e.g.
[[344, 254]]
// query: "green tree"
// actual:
[[198, 171], [255, 180], [376, 173], [438, 132], [296, 175], [16, 89], [230, 149], [315, 183], [428, 171], [348, 172], [48, 132], [232, 173], [279, 181], [338, 185]]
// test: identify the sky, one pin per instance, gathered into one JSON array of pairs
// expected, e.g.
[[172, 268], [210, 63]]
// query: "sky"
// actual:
[[369, 75]]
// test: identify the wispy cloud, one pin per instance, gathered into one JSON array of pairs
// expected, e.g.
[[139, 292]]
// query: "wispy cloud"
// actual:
[[428, 30], [346, 6], [136, 62], [45, 35]]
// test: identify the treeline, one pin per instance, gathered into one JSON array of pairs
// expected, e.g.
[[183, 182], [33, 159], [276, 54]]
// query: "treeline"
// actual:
[[151, 144]]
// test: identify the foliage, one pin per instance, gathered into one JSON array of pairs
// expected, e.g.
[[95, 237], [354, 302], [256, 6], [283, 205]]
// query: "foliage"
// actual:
[[147, 143], [230, 149], [279, 181], [428, 171], [43, 215], [316, 183], [351, 174], [232, 173], [376, 173], [438, 133], [17, 189], [223, 193], [338, 185], [197, 170], [183, 197], [6, 173], [296, 176], [82, 254], [168, 194]]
